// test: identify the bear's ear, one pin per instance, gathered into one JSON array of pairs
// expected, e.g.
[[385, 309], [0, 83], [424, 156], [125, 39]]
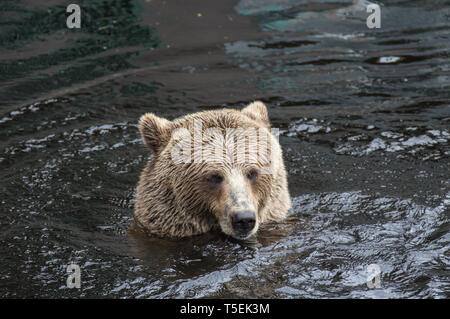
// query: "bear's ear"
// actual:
[[155, 131], [257, 111]]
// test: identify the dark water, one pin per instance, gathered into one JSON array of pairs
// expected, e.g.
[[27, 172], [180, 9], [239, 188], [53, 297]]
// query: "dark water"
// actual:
[[364, 115]]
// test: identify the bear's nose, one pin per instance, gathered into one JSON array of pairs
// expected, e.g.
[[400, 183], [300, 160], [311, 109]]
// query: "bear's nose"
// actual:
[[243, 221]]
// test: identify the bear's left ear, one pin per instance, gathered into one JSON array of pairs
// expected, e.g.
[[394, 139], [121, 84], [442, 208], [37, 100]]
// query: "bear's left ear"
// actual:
[[257, 111], [155, 131]]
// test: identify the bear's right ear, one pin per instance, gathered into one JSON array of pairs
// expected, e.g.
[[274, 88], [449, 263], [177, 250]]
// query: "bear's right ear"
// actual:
[[155, 131], [258, 112]]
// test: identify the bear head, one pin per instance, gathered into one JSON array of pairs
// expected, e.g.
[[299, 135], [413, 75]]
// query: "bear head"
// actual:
[[210, 169]]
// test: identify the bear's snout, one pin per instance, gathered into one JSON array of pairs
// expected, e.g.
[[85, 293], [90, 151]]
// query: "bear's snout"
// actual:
[[243, 222]]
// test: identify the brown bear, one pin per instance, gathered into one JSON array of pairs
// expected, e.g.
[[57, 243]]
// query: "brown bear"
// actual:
[[213, 169]]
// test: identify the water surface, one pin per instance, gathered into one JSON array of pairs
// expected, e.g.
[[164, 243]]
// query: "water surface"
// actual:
[[364, 118]]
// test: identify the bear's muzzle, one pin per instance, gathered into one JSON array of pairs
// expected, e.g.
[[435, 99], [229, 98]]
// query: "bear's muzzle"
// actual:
[[243, 223]]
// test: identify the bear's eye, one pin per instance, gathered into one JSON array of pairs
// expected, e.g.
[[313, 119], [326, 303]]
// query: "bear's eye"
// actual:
[[253, 175], [214, 179]]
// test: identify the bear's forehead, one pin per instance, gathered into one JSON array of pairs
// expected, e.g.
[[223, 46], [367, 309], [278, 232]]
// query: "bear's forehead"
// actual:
[[221, 119]]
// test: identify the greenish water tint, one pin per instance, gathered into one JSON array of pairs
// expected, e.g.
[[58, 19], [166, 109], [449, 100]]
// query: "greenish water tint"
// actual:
[[107, 26], [249, 12], [114, 22]]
